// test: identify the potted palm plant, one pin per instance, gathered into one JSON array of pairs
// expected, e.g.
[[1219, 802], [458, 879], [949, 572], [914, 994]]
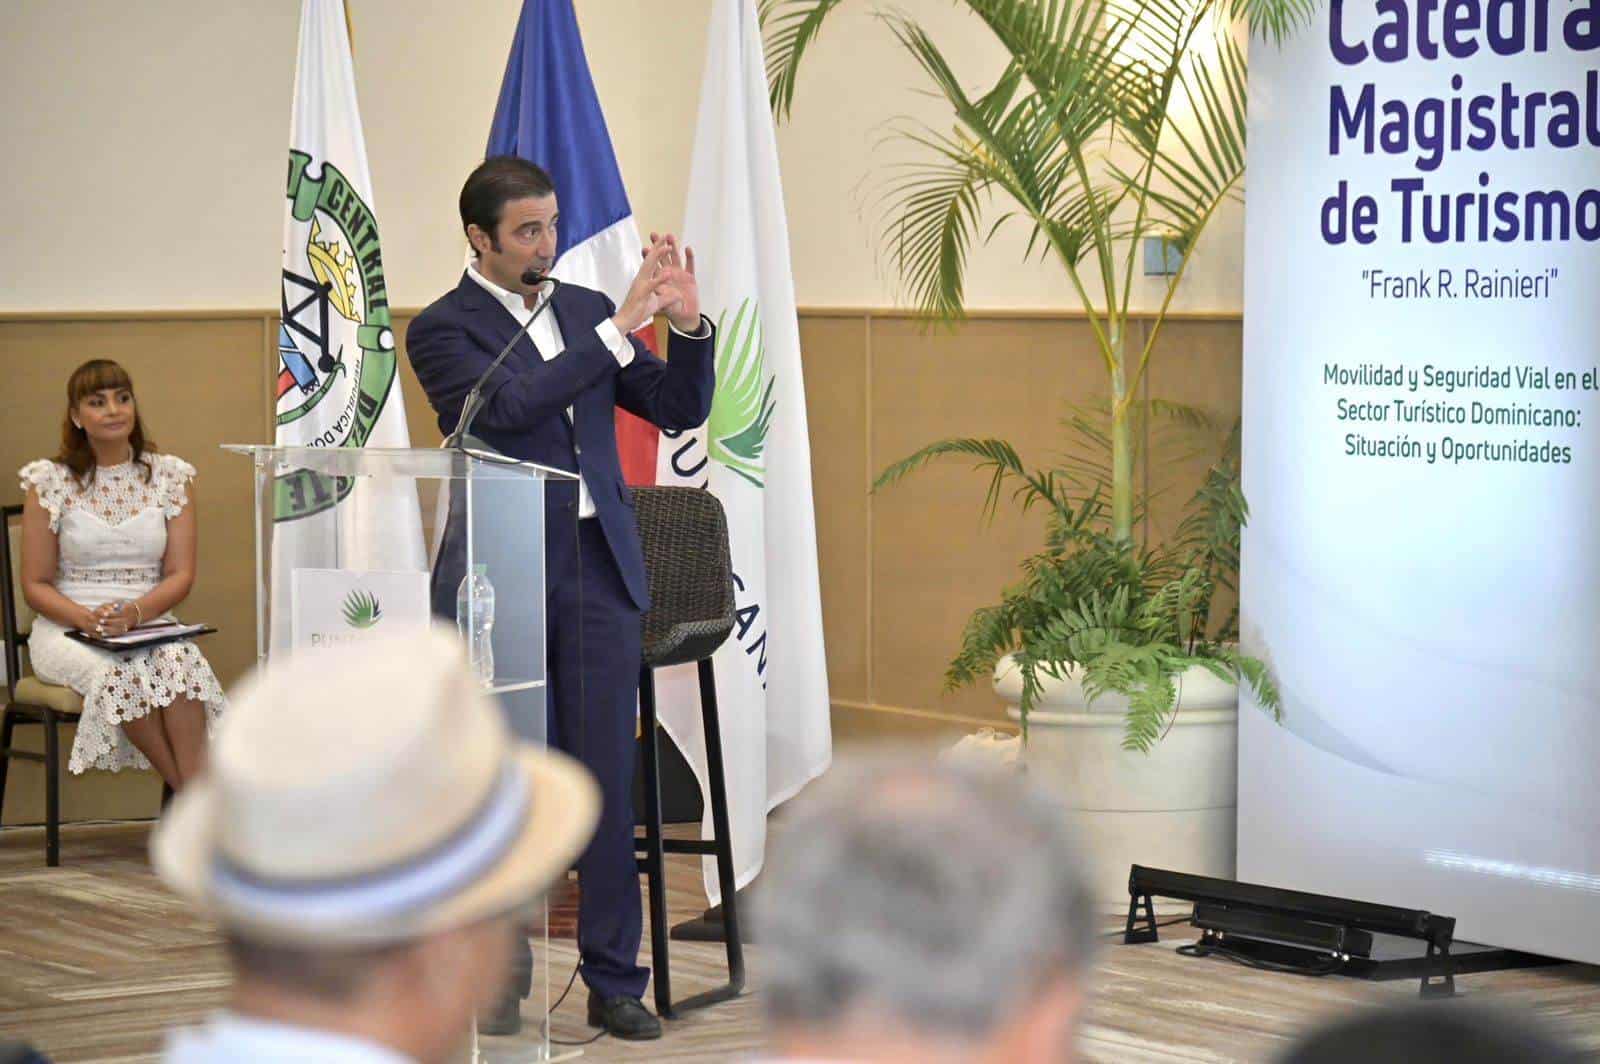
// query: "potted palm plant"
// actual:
[[1076, 140]]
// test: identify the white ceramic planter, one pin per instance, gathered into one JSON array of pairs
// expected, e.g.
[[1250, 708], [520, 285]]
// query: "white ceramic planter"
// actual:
[[1173, 808]]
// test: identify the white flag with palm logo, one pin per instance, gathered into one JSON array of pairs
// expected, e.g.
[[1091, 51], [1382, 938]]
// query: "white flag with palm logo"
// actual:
[[337, 382], [754, 454]]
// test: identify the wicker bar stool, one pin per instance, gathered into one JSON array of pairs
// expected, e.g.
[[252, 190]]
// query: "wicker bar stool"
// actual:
[[685, 538]]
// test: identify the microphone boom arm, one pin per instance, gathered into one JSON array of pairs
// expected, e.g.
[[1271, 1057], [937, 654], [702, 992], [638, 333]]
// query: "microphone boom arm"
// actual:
[[474, 400]]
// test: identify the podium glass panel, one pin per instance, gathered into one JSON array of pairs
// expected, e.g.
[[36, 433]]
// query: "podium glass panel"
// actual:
[[338, 561]]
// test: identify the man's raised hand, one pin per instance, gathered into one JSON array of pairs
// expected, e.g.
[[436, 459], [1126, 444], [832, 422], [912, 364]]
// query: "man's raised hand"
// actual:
[[679, 289], [643, 301]]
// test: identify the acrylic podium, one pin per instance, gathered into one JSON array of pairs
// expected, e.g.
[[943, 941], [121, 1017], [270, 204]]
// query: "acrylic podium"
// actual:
[[338, 559]]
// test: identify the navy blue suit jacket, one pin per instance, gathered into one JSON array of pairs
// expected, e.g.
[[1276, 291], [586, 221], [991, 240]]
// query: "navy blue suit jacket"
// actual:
[[524, 414]]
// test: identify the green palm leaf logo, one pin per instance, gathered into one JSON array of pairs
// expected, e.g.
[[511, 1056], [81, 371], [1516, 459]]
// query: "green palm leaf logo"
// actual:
[[741, 412], [361, 610]]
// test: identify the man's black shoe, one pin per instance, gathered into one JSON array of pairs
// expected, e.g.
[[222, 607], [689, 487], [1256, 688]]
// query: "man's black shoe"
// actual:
[[623, 1017], [504, 1018]]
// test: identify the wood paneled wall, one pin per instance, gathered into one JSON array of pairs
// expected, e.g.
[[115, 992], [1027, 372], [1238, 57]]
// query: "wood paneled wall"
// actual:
[[903, 567], [900, 569]]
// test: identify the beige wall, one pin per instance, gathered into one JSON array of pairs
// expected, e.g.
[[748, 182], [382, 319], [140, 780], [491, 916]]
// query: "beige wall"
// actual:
[[147, 145]]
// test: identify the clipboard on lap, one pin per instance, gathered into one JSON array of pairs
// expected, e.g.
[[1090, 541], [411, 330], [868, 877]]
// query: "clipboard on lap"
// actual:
[[143, 637]]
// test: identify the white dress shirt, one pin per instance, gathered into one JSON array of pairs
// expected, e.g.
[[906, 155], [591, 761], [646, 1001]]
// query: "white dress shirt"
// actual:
[[546, 336], [229, 1038]]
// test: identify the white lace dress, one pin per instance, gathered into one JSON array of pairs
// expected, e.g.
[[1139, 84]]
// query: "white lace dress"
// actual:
[[111, 539]]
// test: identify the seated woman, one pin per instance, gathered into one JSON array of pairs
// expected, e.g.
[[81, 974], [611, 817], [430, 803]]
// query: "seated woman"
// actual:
[[108, 543]]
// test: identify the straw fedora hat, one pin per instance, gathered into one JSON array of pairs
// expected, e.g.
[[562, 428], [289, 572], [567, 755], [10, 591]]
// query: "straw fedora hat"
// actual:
[[369, 798]]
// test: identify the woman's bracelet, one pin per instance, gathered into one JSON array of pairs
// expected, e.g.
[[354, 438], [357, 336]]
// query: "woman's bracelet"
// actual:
[[139, 610]]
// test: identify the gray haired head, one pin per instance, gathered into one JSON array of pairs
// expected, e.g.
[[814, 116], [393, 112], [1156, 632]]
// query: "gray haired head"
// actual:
[[944, 895]]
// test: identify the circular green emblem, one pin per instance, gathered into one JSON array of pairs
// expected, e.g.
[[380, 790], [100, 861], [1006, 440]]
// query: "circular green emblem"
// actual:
[[335, 345]]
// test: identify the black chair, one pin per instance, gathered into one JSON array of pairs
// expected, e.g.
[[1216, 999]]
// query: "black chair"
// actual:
[[29, 700], [685, 537]]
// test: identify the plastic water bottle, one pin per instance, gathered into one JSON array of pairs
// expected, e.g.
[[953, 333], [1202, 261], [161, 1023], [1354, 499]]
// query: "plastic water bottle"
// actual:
[[475, 621]]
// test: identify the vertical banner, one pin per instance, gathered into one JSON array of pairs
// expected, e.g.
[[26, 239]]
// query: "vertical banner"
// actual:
[[338, 384], [754, 453], [1422, 460]]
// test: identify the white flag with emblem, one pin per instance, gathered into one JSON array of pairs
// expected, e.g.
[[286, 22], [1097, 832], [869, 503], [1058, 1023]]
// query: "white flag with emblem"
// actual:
[[337, 382], [754, 454]]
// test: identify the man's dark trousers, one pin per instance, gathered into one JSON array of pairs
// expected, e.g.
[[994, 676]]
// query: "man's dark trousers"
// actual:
[[594, 639], [561, 412]]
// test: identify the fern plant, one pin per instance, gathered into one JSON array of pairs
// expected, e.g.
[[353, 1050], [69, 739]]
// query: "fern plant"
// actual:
[[1075, 140], [1130, 619]]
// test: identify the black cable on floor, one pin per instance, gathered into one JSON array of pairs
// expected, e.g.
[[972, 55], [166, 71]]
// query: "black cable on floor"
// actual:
[[587, 1041], [571, 980]]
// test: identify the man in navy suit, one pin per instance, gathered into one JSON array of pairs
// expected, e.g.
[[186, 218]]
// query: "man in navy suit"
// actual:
[[552, 402]]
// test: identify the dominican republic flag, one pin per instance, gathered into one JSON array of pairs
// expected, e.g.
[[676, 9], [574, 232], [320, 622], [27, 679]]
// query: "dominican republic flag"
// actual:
[[754, 453], [337, 382], [548, 114]]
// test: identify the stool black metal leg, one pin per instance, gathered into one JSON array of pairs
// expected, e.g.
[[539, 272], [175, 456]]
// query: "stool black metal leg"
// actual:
[[720, 847], [7, 726], [654, 860], [719, 823], [52, 791]]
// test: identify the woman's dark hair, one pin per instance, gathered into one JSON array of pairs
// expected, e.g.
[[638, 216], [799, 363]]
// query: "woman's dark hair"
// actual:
[[497, 181], [96, 375]]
